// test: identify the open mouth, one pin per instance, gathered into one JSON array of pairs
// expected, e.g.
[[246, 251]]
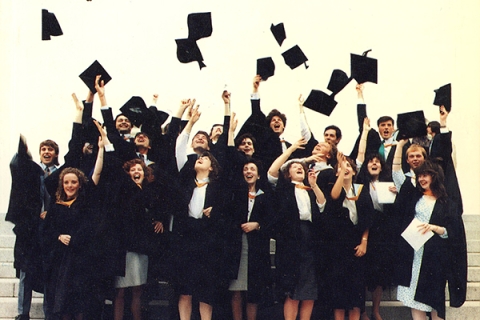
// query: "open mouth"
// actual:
[[136, 177]]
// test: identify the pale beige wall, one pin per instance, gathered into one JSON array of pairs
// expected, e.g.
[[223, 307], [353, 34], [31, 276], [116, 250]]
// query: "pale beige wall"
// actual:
[[420, 45]]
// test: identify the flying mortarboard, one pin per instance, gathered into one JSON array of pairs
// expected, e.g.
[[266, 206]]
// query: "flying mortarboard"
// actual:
[[338, 81], [188, 51], [278, 32], [159, 116], [136, 111], [321, 102], [443, 96], [411, 125], [294, 57], [50, 25], [199, 25], [265, 68], [363, 69], [88, 76]]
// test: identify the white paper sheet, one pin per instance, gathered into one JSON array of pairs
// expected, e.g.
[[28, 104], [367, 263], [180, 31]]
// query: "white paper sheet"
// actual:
[[414, 237], [383, 194]]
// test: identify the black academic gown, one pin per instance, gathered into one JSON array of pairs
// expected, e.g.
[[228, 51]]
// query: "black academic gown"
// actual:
[[69, 268], [345, 274], [199, 244], [443, 259], [259, 268], [24, 208]]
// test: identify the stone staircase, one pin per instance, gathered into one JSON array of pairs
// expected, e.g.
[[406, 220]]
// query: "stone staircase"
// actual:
[[390, 308]]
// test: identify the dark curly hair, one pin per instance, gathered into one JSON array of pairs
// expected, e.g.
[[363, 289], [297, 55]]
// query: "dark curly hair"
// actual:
[[148, 172], [277, 113], [365, 177], [60, 195]]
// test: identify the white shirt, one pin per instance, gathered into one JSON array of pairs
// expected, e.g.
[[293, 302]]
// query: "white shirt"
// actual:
[[197, 202]]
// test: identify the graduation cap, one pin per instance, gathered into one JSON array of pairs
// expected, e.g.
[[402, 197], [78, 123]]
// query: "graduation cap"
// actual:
[[294, 57], [199, 25], [88, 76], [443, 96], [188, 51], [321, 102], [338, 81], [159, 116], [278, 32], [136, 111], [363, 69], [411, 125], [50, 25], [265, 68]]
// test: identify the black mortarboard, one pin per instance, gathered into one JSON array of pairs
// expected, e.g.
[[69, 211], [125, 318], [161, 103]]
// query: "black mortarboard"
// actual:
[[188, 51], [50, 25], [363, 69], [159, 115], [199, 25], [411, 125], [88, 76], [338, 81], [265, 68], [443, 96], [321, 102], [136, 111], [278, 32], [294, 57]]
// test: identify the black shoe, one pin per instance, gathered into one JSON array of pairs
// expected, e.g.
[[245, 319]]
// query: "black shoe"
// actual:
[[22, 317]]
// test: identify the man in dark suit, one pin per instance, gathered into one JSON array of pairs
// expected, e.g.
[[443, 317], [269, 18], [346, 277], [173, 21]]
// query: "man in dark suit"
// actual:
[[382, 141]]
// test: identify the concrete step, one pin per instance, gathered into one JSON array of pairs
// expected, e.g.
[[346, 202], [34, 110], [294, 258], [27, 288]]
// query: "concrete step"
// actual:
[[394, 310], [473, 274], [6, 227], [8, 308], [6, 255], [473, 259], [7, 241], [9, 289], [473, 246], [7, 270]]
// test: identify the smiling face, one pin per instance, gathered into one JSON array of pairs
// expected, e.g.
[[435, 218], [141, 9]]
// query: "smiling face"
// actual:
[[48, 155], [386, 129], [136, 173], [323, 149], [330, 135], [415, 158], [349, 171], [246, 146], [296, 172], [71, 185], [142, 140], [250, 173], [123, 124], [200, 140], [424, 180], [374, 167], [277, 125]]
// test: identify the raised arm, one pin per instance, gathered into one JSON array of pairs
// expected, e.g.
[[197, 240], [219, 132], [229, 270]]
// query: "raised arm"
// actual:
[[231, 130], [337, 187], [397, 172], [182, 140], [277, 164], [103, 142], [312, 181], [362, 146], [304, 127]]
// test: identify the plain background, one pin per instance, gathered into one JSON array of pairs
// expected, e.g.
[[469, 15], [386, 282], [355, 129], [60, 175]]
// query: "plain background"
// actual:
[[420, 46]]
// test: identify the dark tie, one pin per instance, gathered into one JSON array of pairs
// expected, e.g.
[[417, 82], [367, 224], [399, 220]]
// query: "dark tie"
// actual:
[[46, 172]]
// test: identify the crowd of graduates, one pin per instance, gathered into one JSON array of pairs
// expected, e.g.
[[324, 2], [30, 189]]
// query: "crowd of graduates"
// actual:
[[199, 210]]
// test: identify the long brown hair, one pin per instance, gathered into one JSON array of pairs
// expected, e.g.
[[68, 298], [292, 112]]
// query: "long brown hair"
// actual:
[[436, 172], [60, 195]]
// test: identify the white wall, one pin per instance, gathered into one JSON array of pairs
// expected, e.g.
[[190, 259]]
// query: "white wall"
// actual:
[[420, 45]]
